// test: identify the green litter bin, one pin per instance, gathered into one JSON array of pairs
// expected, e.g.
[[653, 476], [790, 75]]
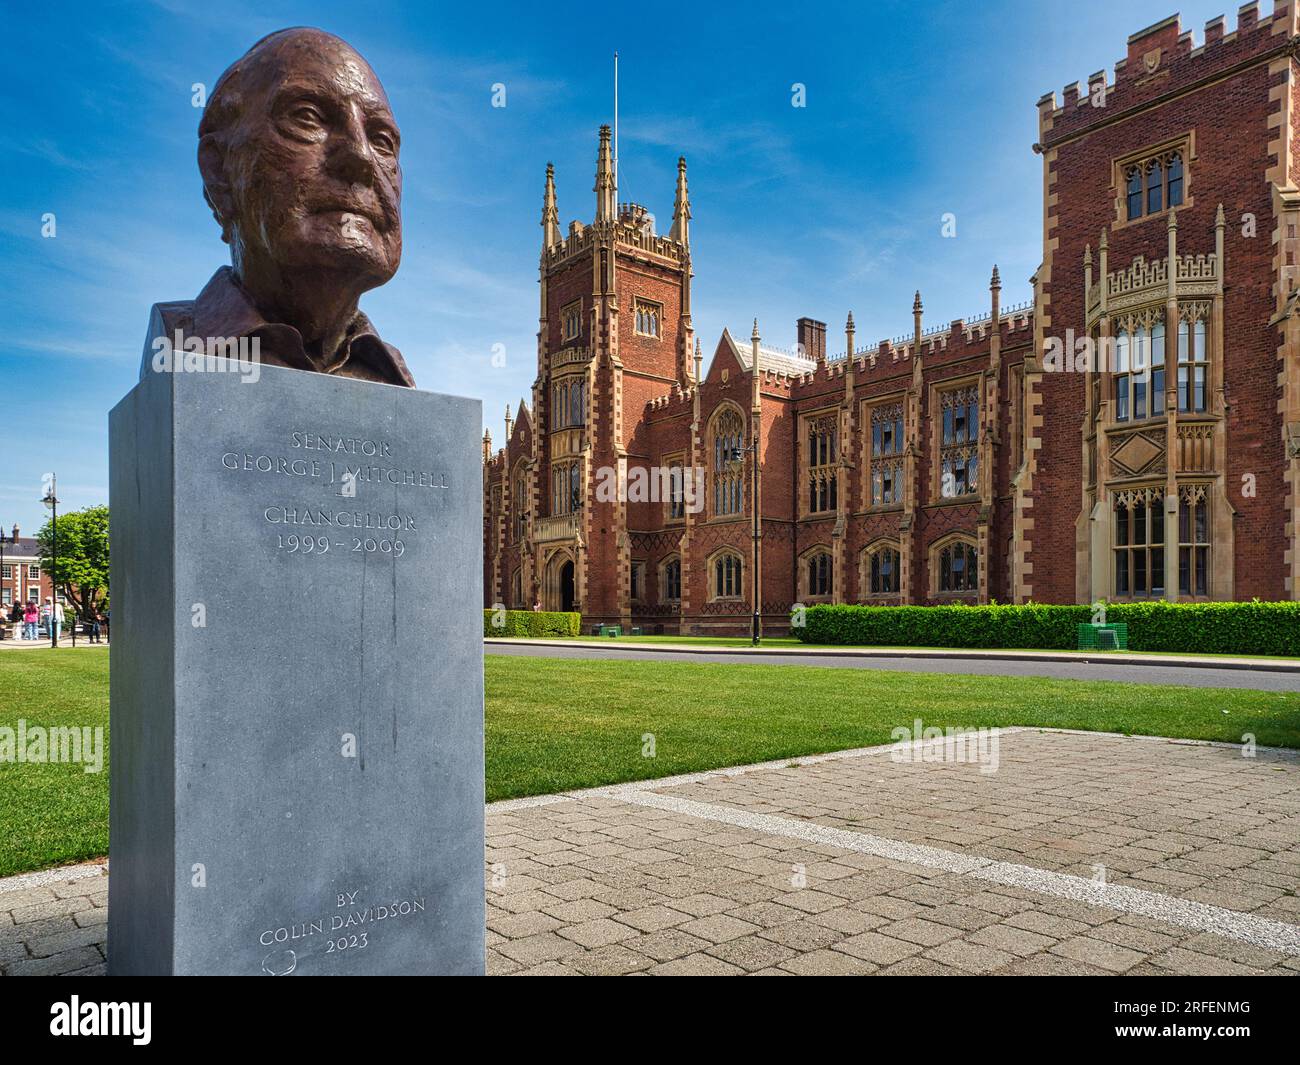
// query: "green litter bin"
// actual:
[[1112, 637]]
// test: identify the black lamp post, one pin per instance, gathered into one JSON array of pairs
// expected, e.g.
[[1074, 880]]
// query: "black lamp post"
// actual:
[[3, 540], [737, 454], [51, 501]]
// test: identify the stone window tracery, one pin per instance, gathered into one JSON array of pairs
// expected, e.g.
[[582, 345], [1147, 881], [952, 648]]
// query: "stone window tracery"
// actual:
[[959, 444], [886, 454], [823, 478]]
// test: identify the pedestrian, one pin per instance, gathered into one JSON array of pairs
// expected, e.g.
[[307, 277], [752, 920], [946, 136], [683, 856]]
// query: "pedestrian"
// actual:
[[95, 626], [31, 616], [537, 606], [52, 613]]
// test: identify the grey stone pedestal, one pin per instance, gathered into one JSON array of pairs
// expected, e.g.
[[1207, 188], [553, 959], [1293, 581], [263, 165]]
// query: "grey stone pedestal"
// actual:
[[296, 678]]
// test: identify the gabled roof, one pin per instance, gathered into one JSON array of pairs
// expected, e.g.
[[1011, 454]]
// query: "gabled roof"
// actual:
[[773, 359]]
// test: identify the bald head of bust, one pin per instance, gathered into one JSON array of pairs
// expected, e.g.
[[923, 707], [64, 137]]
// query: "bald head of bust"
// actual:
[[298, 151]]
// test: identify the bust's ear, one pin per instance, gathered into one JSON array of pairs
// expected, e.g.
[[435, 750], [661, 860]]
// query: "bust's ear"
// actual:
[[216, 188]]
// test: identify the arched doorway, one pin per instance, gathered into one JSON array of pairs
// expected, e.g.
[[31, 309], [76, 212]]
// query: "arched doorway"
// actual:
[[558, 588], [566, 586]]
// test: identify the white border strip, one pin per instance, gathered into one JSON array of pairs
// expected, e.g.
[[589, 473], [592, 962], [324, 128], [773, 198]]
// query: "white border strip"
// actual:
[[1274, 935], [58, 875]]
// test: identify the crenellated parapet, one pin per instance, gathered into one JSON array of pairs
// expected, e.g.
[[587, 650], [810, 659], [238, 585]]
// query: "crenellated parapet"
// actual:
[[1164, 59]]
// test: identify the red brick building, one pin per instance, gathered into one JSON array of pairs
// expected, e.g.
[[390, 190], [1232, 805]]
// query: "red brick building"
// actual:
[[1132, 433], [21, 575]]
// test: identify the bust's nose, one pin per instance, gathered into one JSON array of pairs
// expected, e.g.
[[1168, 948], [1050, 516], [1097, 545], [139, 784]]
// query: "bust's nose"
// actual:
[[350, 154]]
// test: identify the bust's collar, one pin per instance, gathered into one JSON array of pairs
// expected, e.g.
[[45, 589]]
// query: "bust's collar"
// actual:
[[224, 309]]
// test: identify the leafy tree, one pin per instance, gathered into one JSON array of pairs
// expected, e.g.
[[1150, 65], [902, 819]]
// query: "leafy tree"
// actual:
[[81, 570]]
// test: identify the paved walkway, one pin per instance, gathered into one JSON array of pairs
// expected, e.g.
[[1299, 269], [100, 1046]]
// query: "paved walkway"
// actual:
[[44, 642], [1256, 674], [1041, 852]]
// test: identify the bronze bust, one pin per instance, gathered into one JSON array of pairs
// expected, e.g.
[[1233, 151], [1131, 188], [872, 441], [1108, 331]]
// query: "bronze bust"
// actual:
[[298, 151]]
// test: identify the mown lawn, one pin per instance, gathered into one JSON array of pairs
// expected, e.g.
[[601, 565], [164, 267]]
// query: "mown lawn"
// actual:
[[53, 813], [554, 724]]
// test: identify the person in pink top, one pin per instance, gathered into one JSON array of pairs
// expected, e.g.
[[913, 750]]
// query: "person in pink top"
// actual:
[[31, 616]]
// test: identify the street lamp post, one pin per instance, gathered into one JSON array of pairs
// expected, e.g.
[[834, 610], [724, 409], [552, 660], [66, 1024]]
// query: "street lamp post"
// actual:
[[3, 540], [51, 501], [737, 454]]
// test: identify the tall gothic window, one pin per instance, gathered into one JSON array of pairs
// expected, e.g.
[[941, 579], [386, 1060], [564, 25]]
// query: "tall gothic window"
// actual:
[[887, 455], [883, 569], [958, 567], [571, 316], [726, 576], [1193, 359], [1174, 176], [647, 318], [820, 574], [1133, 189], [959, 449], [569, 403], [1140, 367], [672, 580], [566, 488], [676, 490], [1193, 541], [1155, 186], [518, 504], [822, 476], [728, 472], [1139, 544]]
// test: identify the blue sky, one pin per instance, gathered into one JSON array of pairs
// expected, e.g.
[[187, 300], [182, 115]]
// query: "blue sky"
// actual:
[[913, 109]]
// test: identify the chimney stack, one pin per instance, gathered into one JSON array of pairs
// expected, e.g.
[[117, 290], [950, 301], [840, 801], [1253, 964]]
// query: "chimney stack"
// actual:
[[812, 338]]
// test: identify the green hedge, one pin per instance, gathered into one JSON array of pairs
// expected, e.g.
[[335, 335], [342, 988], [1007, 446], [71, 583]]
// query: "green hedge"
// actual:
[[531, 623], [1206, 628]]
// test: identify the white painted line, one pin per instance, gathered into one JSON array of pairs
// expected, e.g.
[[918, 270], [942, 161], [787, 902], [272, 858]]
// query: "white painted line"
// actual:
[[615, 790], [504, 806], [1274, 935], [60, 875], [1246, 927]]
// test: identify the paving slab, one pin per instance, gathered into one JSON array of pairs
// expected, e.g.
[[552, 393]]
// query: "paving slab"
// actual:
[[1079, 853]]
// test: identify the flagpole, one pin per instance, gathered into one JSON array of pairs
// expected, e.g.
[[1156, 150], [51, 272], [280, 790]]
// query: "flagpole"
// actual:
[[616, 125]]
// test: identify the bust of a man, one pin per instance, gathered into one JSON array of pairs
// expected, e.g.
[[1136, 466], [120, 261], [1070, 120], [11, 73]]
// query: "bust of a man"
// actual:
[[298, 151]]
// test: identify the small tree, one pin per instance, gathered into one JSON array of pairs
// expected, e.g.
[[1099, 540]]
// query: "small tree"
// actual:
[[81, 570]]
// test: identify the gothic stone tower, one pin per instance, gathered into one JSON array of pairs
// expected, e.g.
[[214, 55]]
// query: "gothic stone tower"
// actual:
[[614, 333]]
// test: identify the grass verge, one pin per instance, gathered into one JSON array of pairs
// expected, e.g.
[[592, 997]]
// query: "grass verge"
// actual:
[[555, 724]]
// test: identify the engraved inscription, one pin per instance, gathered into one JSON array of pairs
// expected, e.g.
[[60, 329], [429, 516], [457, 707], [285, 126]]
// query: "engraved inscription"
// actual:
[[349, 531], [348, 928]]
